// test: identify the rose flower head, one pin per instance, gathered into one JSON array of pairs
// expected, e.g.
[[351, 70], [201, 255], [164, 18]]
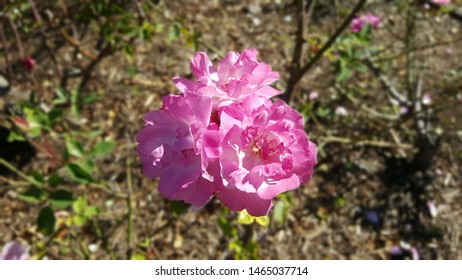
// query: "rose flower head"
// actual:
[[237, 76], [175, 146], [265, 152], [223, 136]]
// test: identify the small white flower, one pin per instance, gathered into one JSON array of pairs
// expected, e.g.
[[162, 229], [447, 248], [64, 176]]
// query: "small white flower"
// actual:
[[92, 247], [432, 209], [341, 111], [426, 100]]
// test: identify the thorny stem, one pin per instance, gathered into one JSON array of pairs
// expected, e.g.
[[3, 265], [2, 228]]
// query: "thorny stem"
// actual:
[[290, 93]]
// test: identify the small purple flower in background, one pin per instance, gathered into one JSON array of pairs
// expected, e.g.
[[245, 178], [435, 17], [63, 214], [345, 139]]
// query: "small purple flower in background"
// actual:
[[403, 110], [441, 2], [14, 251], [395, 250], [372, 216], [405, 247], [358, 23], [28, 63], [313, 95]]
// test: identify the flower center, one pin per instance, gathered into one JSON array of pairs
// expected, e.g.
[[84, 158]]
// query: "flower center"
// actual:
[[215, 118], [266, 147]]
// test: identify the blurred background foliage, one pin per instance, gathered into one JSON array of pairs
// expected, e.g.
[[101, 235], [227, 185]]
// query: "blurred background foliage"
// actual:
[[382, 105]]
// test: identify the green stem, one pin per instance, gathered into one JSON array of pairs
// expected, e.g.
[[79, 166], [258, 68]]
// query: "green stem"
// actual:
[[18, 172], [107, 190]]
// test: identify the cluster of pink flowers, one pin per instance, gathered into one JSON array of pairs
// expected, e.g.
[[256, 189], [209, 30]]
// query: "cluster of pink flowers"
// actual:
[[223, 136], [358, 23]]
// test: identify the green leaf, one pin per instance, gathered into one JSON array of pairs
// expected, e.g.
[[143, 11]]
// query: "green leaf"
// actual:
[[90, 98], [103, 148], [35, 132], [13, 136], [340, 202], [159, 27], [54, 180], [75, 109], [87, 165], [55, 115], [345, 71], [245, 218], [79, 205], [91, 211], [174, 33], [62, 99], [79, 174], [287, 198], [46, 221], [178, 207], [33, 195], [263, 220], [226, 227], [128, 51], [79, 220], [61, 199], [146, 243], [138, 257], [37, 178], [280, 212], [33, 117], [75, 148], [361, 67]]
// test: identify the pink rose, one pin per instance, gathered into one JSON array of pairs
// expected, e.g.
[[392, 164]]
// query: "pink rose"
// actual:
[[177, 146], [237, 76], [265, 152], [223, 136]]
